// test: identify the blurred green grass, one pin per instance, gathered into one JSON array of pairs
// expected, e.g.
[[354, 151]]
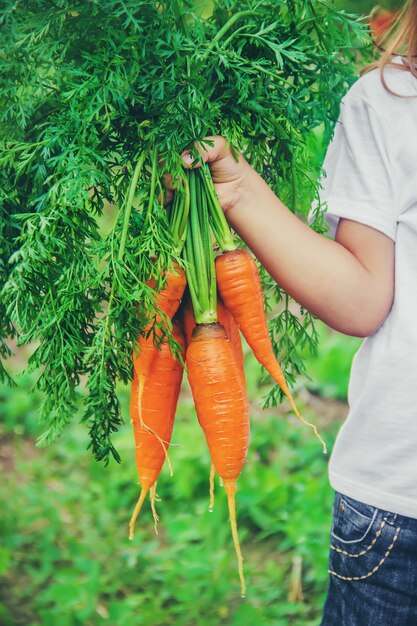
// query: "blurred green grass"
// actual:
[[329, 370], [65, 557]]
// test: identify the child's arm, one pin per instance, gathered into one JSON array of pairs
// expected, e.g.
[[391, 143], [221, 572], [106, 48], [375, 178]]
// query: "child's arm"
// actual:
[[347, 282]]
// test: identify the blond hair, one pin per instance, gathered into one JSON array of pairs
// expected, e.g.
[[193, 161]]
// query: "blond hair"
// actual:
[[400, 39]]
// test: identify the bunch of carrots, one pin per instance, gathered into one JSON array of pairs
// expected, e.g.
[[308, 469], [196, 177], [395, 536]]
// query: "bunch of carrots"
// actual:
[[204, 305]]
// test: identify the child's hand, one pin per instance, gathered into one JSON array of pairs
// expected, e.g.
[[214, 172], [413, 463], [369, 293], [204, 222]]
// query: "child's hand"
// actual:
[[229, 176]]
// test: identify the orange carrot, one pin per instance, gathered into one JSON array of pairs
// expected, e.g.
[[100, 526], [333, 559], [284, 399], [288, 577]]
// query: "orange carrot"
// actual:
[[227, 320], [153, 424], [186, 315], [168, 301], [240, 287], [222, 408], [169, 298], [232, 331]]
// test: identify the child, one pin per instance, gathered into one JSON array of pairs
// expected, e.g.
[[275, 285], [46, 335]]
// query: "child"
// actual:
[[364, 283]]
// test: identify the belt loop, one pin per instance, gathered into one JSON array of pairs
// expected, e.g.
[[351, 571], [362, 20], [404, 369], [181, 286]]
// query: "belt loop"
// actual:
[[390, 518]]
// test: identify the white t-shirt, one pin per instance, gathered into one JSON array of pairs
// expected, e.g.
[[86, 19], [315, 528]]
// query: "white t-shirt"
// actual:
[[371, 168]]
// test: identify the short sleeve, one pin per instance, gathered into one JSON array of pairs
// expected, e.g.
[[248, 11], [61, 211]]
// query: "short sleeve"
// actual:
[[358, 181]]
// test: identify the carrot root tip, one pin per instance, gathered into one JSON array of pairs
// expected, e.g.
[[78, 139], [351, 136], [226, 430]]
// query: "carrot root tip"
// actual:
[[136, 512], [287, 392], [154, 498], [315, 430], [230, 489], [211, 479]]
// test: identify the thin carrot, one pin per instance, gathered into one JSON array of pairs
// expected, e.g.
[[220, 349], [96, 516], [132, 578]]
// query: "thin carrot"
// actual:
[[168, 301], [186, 315], [227, 320], [232, 331], [169, 298], [153, 425], [222, 409], [240, 287]]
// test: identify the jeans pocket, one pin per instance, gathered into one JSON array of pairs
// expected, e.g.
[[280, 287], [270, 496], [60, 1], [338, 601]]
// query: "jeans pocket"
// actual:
[[362, 539], [352, 521]]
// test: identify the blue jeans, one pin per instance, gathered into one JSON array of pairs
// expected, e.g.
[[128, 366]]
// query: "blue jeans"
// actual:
[[372, 567]]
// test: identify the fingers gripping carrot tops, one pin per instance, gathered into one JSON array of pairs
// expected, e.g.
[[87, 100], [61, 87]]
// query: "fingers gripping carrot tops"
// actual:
[[222, 408], [153, 425], [240, 287]]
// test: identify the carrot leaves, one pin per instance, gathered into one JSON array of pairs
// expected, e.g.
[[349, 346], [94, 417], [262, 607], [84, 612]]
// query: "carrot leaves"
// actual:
[[97, 102]]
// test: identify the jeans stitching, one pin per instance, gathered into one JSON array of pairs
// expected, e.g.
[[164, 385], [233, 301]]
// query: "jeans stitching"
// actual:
[[377, 534], [371, 521], [358, 512], [376, 568]]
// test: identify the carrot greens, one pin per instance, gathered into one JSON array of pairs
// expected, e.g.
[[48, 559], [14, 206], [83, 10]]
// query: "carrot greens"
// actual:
[[201, 277], [97, 102], [218, 222]]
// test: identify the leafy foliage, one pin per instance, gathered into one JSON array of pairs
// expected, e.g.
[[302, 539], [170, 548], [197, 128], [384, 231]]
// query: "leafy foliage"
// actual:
[[97, 101]]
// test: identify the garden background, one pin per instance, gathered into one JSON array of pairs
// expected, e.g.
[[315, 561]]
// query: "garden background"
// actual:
[[64, 553]]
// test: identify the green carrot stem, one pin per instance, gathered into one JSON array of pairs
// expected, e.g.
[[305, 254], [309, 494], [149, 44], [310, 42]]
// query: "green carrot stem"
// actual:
[[153, 183], [199, 258], [198, 253], [220, 227], [170, 210], [180, 17], [187, 254], [179, 215], [173, 214], [186, 207], [202, 208], [151, 194], [129, 204], [224, 29]]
